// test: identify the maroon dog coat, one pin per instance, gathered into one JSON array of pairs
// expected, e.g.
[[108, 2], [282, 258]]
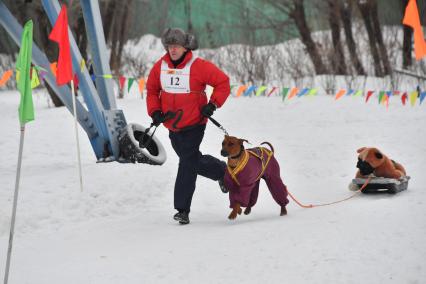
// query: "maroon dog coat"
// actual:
[[243, 181]]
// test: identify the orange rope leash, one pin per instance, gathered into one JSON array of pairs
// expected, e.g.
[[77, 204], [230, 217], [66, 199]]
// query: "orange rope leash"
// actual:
[[330, 203]]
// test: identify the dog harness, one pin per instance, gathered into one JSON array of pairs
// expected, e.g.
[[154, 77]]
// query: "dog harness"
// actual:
[[176, 81], [261, 153]]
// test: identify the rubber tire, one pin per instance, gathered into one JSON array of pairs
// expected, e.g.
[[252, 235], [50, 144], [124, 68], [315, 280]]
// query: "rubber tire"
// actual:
[[153, 154]]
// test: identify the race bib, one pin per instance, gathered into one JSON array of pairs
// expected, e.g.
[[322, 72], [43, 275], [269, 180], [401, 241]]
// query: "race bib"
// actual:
[[176, 81]]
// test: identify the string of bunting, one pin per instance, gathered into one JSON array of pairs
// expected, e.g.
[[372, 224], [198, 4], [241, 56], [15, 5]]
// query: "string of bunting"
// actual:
[[38, 73], [289, 93]]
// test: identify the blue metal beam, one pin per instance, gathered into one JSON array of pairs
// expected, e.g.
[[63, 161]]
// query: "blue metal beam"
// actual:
[[14, 29], [108, 121], [101, 120], [113, 117], [96, 39]]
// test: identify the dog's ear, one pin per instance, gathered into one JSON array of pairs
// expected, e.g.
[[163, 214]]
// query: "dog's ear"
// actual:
[[361, 149], [378, 155], [242, 141]]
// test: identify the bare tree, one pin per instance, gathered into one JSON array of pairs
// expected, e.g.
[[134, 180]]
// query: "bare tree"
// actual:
[[295, 9], [190, 28], [338, 60], [368, 9], [379, 38], [346, 17]]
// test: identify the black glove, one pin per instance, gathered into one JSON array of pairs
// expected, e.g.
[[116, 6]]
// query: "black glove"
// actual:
[[157, 117], [208, 110]]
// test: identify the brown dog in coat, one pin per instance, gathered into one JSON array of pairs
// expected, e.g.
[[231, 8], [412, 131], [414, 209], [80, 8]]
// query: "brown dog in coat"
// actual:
[[243, 174]]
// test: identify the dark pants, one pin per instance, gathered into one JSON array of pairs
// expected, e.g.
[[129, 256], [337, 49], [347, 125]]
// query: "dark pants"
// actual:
[[192, 163]]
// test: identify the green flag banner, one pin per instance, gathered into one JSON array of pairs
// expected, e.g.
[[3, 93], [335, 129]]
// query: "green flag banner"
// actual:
[[23, 67], [284, 93], [358, 93], [260, 90], [130, 83], [313, 92]]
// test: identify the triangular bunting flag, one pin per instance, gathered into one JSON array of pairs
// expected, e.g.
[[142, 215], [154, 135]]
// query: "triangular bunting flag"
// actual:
[[302, 92], [284, 93], [339, 94], [260, 90], [404, 98], [313, 92], [76, 81], [357, 93], [34, 78], [386, 101], [381, 94], [130, 83], [141, 85], [249, 91], [54, 68], [422, 96], [413, 98], [350, 92], [6, 76], [369, 94], [240, 90], [293, 92], [82, 65], [271, 91], [121, 81]]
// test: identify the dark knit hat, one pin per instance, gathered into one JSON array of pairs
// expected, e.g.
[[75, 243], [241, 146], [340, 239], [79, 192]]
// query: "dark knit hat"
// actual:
[[179, 37]]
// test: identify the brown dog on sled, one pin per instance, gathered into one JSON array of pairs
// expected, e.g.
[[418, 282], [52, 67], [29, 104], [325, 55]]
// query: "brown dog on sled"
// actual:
[[372, 160]]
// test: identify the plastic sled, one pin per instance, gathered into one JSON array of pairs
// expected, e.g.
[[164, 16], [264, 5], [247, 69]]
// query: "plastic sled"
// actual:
[[382, 185]]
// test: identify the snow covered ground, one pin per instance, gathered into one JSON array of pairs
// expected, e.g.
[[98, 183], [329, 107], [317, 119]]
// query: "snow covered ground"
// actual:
[[120, 228]]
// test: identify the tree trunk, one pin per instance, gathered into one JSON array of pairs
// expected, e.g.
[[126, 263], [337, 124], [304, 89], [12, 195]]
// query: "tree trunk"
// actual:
[[379, 38], [81, 36], [346, 16], [124, 30], [338, 60], [190, 28], [365, 8], [407, 48], [298, 15], [108, 19]]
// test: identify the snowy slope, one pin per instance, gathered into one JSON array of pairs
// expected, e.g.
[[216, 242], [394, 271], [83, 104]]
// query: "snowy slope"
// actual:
[[120, 228]]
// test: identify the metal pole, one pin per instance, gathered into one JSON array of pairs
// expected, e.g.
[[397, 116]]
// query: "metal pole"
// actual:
[[76, 135], [15, 203]]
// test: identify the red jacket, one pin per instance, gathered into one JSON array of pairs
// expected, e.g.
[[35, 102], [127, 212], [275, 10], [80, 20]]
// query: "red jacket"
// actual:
[[202, 73]]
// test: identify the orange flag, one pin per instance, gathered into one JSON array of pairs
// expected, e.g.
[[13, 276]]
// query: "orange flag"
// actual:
[[240, 90], [411, 18], [6, 76], [293, 92], [340, 94]]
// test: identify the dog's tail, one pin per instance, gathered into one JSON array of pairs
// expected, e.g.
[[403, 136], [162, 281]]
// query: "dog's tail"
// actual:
[[269, 144]]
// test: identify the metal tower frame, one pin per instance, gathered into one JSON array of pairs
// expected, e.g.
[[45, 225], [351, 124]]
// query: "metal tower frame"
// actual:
[[99, 117]]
